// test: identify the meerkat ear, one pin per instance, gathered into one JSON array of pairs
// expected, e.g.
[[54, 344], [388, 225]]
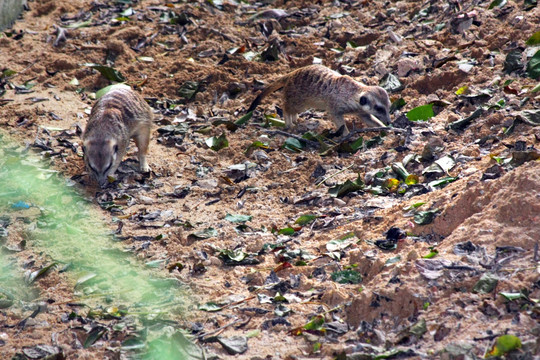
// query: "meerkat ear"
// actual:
[[364, 100]]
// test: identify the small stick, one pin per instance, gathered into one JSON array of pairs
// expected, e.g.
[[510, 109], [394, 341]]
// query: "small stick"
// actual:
[[217, 331], [331, 176]]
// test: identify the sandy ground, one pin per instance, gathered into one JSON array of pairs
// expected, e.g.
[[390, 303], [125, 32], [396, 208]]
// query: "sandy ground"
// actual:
[[433, 50]]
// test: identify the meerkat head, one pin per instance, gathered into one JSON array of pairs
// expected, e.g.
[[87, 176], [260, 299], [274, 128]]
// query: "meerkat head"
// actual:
[[375, 105], [100, 157]]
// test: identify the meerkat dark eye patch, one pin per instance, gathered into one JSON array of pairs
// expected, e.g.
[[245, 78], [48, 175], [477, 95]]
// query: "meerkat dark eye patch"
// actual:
[[364, 100], [108, 168], [93, 169], [380, 109]]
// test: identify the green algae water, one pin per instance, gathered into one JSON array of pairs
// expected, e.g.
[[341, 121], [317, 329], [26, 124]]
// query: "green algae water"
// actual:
[[63, 226]]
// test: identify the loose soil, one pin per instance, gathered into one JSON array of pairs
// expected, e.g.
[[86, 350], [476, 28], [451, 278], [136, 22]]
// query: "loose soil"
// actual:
[[485, 223]]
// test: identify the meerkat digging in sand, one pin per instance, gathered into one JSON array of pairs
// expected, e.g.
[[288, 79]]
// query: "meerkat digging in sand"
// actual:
[[318, 87], [116, 117]]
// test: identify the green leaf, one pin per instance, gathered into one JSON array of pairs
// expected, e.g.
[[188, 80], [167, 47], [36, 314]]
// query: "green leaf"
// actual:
[[279, 298], [94, 335], [497, 3], [237, 257], [271, 119], [217, 143], [396, 105], [533, 67], [79, 24], [238, 218], [433, 252], [210, 307], [460, 124], [347, 277], [425, 217], [338, 245], [7, 73], [286, 231], [513, 61], [392, 260], [348, 186], [462, 90], [531, 117], [414, 206], [305, 219], [316, 323], [188, 89], [106, 89], [529, 4], [442, 182], [39, 273], [513, 296], [419, 329], [293, 144], [203, 234], [282, 311], [536, 88], [348, 146], [228, 124], [400, 170], [504, 345], [244, 119], [108, 72], [412, 179], [177, 129], [486, 284], [534, 39], [421, 113], [255, 145]]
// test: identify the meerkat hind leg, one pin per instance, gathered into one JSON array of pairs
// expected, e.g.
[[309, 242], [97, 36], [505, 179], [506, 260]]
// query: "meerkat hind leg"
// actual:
[[142, 140], [290, 119]]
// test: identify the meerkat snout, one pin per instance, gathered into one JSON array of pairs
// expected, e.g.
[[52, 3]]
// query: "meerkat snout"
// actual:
[[100, 158]]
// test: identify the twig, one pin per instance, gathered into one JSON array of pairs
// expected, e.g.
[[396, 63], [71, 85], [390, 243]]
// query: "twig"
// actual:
[[217, 331], [535, 257], [60, 35], [299, 138], [331, 176]]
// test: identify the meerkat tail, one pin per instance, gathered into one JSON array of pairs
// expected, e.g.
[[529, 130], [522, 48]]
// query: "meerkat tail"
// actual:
[[267, 91]]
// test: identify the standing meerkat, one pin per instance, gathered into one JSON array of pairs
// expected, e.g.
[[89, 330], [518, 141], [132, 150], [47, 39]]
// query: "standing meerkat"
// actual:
[[318, 87], [116, 117]]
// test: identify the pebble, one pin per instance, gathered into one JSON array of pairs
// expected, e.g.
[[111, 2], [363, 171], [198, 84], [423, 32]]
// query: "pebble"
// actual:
[[145, 200], [207, 183]]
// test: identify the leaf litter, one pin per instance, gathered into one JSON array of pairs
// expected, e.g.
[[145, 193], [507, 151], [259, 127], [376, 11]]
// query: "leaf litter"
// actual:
[[203, 173]]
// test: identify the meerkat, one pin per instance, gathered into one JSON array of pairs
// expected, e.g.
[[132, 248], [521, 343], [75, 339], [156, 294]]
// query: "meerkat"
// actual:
[[321, 88], [116, 117]]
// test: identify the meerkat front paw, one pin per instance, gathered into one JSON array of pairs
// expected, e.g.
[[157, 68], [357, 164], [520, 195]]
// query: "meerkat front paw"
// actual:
[[143, 166]]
